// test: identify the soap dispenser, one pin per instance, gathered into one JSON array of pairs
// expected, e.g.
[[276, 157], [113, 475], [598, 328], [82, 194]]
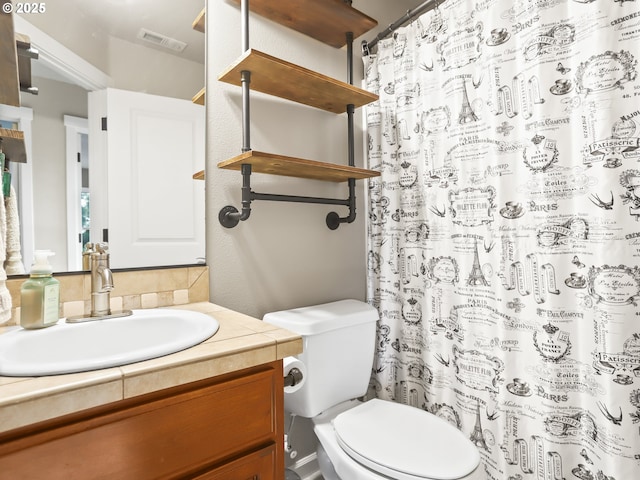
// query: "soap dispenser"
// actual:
[[40, 294]]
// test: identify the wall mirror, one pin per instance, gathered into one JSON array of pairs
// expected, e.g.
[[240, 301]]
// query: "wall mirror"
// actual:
[[147, 47]]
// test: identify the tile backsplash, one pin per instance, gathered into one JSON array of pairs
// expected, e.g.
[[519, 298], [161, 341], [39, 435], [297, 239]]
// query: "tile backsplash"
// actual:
[[145, 288]]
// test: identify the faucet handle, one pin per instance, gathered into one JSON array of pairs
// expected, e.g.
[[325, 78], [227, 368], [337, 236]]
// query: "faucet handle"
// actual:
[[101, 247]]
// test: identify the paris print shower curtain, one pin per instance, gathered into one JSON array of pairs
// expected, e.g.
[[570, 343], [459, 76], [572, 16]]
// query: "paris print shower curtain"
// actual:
[[504, 231]]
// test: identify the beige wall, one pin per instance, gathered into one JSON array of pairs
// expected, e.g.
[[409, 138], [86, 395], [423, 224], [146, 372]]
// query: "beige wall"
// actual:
[[135, 289], [283, 256]]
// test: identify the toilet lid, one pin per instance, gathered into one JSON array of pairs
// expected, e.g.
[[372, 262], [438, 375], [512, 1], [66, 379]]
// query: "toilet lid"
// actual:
[[404, 442]]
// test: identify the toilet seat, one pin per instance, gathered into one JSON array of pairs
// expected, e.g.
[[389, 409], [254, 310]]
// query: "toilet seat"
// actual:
[[404, 442]]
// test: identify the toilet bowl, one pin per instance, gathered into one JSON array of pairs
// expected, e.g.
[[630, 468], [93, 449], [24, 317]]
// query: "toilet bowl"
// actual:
[[379, 440], [373, 440]]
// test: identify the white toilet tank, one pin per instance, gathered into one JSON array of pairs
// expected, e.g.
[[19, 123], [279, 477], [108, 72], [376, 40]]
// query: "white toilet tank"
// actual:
[[338, 345]]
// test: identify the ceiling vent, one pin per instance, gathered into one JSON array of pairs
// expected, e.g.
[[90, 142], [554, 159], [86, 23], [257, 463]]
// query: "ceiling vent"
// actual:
[[161, 40]]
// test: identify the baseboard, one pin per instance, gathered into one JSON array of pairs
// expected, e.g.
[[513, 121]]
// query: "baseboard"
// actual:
[[307, 467]]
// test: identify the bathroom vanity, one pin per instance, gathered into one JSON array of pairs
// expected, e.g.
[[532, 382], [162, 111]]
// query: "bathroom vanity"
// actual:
[[214, 411]]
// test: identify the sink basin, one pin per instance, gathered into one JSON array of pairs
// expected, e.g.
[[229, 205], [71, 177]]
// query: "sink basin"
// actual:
[[69, 348]]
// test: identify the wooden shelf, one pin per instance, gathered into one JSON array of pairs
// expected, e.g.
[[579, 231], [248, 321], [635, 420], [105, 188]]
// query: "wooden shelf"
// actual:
[[282, 79], [198, 23], [296, 167], [198, 98], [13, 145], [325, 20], [9, 79]]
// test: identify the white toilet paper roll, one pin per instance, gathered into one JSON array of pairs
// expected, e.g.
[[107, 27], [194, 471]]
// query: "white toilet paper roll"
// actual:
[[289, 363]]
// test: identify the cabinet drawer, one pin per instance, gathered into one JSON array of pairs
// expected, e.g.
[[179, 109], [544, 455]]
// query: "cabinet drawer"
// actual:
[[165, 437], [255, 466]]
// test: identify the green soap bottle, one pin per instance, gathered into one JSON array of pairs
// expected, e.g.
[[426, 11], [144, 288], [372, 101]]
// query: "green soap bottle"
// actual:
[[40, 294]]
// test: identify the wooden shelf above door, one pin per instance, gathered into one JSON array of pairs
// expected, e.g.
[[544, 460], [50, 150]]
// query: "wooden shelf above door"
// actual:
[[325, 20], [13, 144], [296, 167], [198, 23], [199, 97], [282, 79], [9, 79]]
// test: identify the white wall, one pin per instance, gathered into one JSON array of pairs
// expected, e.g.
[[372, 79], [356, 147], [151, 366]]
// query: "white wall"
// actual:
[[283, 256]]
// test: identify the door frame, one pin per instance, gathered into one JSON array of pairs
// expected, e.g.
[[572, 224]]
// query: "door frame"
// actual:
[[74, 127]]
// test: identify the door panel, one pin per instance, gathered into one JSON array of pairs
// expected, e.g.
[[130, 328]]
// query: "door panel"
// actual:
[[152, 208]]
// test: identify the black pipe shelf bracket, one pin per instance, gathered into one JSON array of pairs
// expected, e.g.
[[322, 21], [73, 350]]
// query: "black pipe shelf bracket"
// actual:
[[229, 216], [256, 162]]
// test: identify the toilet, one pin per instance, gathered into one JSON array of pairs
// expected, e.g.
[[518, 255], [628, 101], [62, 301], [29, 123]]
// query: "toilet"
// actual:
[[371, 440]]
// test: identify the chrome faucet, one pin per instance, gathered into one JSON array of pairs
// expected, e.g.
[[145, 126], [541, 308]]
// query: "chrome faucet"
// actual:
[[101, 286], [101, 281]]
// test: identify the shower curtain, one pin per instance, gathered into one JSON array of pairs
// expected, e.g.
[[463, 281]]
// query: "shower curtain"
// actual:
[[504, 231]]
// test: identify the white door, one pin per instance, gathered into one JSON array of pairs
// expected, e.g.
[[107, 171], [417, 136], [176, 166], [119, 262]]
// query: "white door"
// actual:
[[150, 207]]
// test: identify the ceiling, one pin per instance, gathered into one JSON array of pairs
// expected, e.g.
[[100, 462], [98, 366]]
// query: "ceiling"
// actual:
[[124, 18]]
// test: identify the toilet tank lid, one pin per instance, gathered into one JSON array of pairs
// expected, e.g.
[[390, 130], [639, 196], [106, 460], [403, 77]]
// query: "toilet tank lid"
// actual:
[[324, 317]]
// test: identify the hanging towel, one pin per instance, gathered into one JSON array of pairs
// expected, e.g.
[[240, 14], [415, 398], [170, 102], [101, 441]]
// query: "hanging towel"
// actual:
[[5, 296], [13, 264]]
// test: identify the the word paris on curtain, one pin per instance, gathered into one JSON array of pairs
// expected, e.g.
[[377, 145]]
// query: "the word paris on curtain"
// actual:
[[504, 231]]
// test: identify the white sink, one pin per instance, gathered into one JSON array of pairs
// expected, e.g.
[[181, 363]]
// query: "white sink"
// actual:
[[69, 348]]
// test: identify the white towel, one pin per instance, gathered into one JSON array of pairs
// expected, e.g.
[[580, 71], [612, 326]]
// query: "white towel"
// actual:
[[5, 296], [13, 264]]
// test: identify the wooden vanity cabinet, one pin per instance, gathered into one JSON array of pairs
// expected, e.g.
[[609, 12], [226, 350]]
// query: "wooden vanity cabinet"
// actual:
[[229, 427]]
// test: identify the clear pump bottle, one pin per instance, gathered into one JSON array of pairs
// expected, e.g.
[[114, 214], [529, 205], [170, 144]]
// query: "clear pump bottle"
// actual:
[[40, 294]]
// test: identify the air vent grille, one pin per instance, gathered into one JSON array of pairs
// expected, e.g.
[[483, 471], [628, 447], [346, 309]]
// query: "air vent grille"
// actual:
[[161, 40]]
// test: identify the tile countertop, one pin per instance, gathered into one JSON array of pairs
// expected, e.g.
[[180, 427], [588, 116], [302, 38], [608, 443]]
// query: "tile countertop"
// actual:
[[240, 342]]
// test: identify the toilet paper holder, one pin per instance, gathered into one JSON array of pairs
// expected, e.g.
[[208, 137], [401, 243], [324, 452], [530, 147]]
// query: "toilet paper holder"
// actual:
[[293, 377]]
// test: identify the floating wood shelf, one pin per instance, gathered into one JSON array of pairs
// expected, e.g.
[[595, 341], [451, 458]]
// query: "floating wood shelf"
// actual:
[[198, 23], [9, 79], [198, 98], [13, 145], [199, 175], [296, 167], [326, 20], [286, 80]]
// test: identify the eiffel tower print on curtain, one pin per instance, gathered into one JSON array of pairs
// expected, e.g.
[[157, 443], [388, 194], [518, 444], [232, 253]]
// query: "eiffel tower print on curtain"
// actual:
[[466, 115], [477, 436], [476, 277]]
